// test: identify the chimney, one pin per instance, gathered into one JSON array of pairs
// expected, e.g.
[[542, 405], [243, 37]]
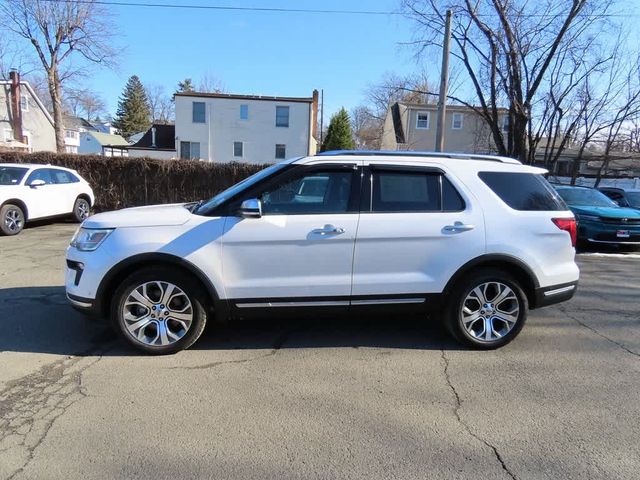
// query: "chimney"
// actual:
[[153, 137], [314, 116], [16, 111]]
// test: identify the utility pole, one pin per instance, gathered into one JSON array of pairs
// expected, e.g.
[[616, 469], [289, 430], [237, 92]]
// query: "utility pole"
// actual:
[[321, 117], [444, 79]]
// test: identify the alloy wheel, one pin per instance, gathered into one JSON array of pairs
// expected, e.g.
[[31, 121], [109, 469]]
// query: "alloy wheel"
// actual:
[[83, 209], [490, 311], [157, 313], [13, 220]]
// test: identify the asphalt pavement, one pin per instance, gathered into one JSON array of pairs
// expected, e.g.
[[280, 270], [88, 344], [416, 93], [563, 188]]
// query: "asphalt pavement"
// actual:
[[348, 398]]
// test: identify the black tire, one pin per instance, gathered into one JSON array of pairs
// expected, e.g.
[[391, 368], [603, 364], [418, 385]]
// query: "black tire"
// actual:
[[11, 219], [81, 209], [164, 275], [475, 335]]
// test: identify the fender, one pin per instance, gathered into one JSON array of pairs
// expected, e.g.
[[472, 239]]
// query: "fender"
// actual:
[[112, 278]]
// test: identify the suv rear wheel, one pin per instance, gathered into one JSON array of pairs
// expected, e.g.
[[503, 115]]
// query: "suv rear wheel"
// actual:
[[81, 210], [486, 310], [159, 310]]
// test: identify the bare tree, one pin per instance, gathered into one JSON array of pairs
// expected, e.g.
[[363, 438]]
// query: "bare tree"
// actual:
[[368, 119], [160, 103], [507, 48], [85, 103], [210, 84], [58, 31]]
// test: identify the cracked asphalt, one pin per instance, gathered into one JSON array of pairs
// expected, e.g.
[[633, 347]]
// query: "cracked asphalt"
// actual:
[[354, 398]]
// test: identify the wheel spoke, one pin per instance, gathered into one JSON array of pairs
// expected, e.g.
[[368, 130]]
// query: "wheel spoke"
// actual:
[[490, 311], [150, 316]]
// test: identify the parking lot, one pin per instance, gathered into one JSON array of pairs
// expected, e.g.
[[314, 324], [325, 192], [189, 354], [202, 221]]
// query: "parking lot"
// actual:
[[343, 398]]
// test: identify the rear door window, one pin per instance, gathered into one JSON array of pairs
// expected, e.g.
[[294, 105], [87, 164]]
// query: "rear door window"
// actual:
[[524, 191], [413, 191], [62, 176]]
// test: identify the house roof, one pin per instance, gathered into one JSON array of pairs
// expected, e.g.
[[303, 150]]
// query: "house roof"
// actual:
[[234, 96], [457, 108], [26, 85], [165, 138], [76, 123], [105, 139]]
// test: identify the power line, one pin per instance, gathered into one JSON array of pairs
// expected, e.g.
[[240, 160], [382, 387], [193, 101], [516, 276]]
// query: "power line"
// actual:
[[117, 3], [225, 7]]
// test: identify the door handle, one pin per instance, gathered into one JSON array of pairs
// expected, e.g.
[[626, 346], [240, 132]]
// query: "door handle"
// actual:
[[329, 230], [458, 227]]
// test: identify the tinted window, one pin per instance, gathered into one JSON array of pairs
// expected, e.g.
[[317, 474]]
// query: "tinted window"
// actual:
[[40, 174], [523, 191], [11, 175], [406, 192], [587, 197], [62, 176], [451, 199], [317, 192]]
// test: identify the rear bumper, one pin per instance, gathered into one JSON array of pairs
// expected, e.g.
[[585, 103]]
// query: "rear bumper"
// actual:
[[545, 296]]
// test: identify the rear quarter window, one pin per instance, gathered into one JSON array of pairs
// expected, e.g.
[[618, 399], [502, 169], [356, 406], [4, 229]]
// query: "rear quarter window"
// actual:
[[524, 191]]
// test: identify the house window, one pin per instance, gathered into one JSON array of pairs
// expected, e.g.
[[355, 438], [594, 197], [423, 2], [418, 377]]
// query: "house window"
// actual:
[[505, 123], [71, 134], [190, 150], [281, 151], [456, 121], [244, 112], [422, 120], [282, 116], [238, 149], [24, 103], [199, 112]]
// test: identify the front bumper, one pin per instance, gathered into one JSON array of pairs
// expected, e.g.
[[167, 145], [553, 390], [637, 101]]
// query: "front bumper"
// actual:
[[553, 294]]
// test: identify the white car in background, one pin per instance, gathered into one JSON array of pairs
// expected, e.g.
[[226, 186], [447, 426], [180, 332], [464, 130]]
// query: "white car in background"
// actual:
[[32, 192]]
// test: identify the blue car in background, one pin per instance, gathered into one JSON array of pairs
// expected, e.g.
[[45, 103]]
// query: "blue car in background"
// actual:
[[600, 219], [624, 197]]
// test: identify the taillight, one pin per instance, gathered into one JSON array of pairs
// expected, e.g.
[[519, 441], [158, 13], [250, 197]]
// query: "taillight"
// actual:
[[568, 225]]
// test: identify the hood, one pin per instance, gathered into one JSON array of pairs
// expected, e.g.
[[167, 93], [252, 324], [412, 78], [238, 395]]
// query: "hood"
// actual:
[[151, 216], [609, 212]]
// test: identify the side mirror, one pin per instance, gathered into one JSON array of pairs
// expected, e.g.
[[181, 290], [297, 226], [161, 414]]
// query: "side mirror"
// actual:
[[37, 183], [251, 208]]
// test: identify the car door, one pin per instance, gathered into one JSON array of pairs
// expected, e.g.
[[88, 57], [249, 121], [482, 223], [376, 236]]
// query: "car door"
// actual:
[[299, 252], [65, 187], [417, 228], [41, 200]]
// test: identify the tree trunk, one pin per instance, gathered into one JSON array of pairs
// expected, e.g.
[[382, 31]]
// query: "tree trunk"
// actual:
[[55, 91]]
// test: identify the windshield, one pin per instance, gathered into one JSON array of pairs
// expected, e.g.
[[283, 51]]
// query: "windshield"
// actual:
[[237, 188], [11, 175], [634, 199], [585, 197]]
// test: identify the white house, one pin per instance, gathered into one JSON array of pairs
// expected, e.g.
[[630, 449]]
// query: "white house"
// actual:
[[98, 143], [73, 127], [223, 127], [25, 123]]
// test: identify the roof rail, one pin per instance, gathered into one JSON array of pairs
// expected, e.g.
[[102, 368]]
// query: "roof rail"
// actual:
[[402, 153]]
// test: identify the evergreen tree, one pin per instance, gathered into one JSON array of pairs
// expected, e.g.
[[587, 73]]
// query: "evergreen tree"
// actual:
[[185, 85], [133, 114], [339, 135]]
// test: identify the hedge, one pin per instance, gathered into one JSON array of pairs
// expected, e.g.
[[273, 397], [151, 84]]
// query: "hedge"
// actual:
[[120, 182]]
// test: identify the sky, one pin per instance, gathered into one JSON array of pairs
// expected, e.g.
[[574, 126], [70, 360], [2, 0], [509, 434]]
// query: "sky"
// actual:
[[262, 53]]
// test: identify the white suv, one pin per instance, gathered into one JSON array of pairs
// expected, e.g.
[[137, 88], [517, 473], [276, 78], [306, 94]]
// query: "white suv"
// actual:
[[479, 239], [32, 192]]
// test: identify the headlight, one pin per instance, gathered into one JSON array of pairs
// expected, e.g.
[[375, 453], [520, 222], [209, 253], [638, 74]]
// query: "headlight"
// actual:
[[89, 239], [588, 218]]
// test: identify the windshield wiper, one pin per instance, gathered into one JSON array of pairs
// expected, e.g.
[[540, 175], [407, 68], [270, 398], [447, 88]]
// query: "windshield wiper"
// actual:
[[194, 206]]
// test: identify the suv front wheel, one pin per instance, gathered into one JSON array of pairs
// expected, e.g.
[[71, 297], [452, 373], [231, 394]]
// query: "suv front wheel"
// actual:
[[159, 310], [486, 310]]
